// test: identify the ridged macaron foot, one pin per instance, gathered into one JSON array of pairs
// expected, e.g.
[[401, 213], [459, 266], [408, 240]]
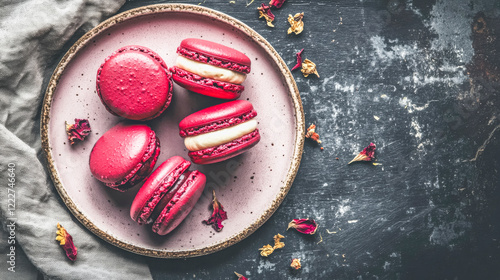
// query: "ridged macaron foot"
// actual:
[[210, 68], [135, 83], [168, 195], [124, 155], [220, 132]]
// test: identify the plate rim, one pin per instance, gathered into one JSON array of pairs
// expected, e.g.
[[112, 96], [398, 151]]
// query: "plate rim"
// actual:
[[293, 93]]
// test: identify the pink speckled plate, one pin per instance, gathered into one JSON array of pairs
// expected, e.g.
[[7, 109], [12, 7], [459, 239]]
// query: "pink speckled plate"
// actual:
[[250, 186]]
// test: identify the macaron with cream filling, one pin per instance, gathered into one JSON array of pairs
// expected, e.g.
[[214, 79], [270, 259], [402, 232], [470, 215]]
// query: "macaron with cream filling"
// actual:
[[220, 132], [210, 68]]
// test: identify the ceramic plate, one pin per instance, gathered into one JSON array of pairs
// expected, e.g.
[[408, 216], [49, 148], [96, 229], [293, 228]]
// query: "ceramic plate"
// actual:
[[250, 186]]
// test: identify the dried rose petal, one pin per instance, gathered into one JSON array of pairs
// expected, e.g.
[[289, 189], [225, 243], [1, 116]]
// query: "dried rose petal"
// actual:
[[265, 12], [77, 131], [305, 226], [66, 241], [276, 3], [308, 67], [240, 277], [299, 60], [296, 264], [218, 214], [266, 250], [277, 241], [296, 23], [311, 133], [367, 154]]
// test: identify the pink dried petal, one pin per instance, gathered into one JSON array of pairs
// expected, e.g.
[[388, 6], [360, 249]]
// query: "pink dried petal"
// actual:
[[276, 3], [368, 154], [240, 276], [78, 131], [218, 214], [305, 226], [299, 60]]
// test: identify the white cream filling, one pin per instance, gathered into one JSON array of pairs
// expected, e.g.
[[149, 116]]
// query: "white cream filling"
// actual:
[[210, 71], [219, 137]]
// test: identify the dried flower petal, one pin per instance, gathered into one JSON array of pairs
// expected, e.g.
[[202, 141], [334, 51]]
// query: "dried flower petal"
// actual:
[[309, 67], [367, 154], [277, 241], [296, 264], [296, 23], [299, 60], [218, 214], [265, 12], [266, 250], [305, 226], [276, 3], [66, 241], [240, 276], [77, 131], [311, 133]]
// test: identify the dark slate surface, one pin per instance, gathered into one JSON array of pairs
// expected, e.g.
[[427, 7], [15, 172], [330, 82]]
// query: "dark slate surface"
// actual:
[[429, 71]]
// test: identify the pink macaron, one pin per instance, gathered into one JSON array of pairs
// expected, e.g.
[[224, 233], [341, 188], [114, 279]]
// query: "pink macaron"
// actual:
[[168, 195], [210, 69], [220, 132], [124, 155], [134, 83]]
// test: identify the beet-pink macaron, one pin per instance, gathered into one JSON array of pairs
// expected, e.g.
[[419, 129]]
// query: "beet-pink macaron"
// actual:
[[168, 195], [210, 69], [220, 132], [124, 155], [134, 83]]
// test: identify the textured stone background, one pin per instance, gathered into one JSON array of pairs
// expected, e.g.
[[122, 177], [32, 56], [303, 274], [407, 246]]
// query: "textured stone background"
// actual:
[[429, 71]]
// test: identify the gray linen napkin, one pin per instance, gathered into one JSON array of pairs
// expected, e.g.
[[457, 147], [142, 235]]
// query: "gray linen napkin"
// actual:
[[32, 32]]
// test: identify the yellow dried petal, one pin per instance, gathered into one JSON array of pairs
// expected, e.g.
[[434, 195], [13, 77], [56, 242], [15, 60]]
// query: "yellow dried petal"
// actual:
[[309, 67], [296, 23], [269, 20], [277, 241], [266, 250], [296, 264], [61, 234], [311, 133]]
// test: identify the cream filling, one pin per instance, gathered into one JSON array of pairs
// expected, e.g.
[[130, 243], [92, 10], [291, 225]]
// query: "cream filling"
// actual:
[[219, 137], [210, 71]]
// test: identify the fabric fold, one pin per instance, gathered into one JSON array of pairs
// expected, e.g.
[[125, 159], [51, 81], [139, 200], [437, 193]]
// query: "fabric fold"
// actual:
[[33, 32]]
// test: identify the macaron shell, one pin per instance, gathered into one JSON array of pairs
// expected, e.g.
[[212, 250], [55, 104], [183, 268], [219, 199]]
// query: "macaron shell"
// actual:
[[182, 205], [208, 90], [174, 164], [141, 171], [216, 113], [216, 50], [119, 151], [226, 152], [134, 83]]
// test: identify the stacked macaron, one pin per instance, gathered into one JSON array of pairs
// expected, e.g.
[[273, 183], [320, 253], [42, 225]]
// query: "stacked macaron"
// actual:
[[134, 83], [168, 195], [124, 155], [210, 69], [220, 132]]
